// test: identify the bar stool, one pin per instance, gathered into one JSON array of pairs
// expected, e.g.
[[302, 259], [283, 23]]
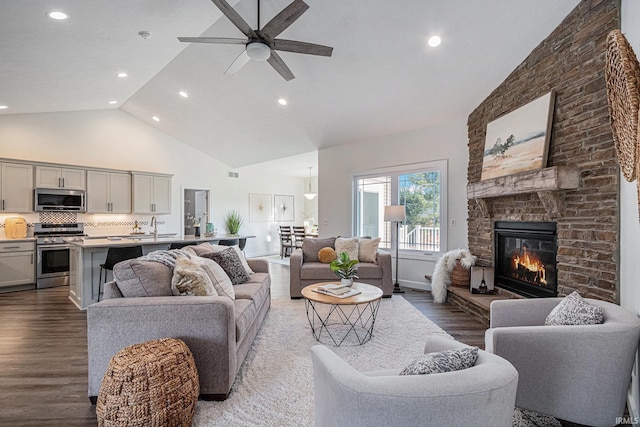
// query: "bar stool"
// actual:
[[179, 245], [229, 242], [114, 256]]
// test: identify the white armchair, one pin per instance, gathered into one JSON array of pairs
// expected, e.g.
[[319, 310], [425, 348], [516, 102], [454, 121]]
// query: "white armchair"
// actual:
[[575, 373], [482, 395]]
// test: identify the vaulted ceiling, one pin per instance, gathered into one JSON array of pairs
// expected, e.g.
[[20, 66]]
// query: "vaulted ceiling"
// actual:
[[381, 79]]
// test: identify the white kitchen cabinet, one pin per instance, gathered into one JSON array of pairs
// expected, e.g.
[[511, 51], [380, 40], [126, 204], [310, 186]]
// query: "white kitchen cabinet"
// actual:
[[56, 177], [108, 192], [17, 263], [151, 194], [16, 187]]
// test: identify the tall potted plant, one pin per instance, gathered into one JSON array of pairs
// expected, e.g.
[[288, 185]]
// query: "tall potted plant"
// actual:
[[232, 222], [345, 268]]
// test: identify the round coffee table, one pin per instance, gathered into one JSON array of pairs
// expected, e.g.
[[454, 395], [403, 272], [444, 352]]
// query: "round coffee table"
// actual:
[[339, 318]]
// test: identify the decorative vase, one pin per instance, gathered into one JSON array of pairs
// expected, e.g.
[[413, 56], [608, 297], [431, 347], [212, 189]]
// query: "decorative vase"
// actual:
[[346, 282]]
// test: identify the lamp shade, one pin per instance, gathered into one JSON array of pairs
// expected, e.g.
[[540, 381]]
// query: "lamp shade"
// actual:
[[396, 213]]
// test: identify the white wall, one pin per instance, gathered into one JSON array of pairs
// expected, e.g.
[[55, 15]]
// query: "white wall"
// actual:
[[114, 139], [629, 215], [338, 165]]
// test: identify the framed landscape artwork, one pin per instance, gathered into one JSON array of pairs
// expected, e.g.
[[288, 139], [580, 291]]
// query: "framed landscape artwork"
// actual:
[[519, 141]]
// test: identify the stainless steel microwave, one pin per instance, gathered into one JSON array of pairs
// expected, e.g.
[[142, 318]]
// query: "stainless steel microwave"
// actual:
[[59, 200]]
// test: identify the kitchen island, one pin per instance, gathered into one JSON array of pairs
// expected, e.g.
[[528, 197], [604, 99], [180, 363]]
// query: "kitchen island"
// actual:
[[86, 256]]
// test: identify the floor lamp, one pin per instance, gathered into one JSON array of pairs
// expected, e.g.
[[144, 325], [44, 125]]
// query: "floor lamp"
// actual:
[[397, 214]]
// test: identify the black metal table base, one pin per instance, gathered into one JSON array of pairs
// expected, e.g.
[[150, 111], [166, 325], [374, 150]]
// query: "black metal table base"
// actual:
[[337, 322]]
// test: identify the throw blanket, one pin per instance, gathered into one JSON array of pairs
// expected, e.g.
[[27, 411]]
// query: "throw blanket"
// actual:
[[167, 258], [442, 272]]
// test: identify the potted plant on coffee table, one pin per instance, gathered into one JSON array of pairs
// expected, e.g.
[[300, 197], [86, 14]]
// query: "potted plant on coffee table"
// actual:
[[345, 268]]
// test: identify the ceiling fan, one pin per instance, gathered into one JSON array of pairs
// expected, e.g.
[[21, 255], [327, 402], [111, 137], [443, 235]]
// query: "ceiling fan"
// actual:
[[262, 44]]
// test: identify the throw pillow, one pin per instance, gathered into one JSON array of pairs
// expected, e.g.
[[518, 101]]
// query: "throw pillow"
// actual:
[[190, 279], [455, 359], [207, 247], [326, 255], [138, 278], [229, 260], [348, 245], [311, 247], [574, 310], [221, 282], [368, 250]]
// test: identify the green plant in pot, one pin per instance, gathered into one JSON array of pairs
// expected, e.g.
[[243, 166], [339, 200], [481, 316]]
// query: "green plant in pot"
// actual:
[[345, 268], [232, 222]]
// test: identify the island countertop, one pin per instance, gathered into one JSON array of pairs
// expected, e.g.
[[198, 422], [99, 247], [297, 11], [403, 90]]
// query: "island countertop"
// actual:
[[107, 242]]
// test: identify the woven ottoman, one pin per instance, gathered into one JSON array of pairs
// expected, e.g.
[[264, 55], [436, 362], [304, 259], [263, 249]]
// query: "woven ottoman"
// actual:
[[150, 384]]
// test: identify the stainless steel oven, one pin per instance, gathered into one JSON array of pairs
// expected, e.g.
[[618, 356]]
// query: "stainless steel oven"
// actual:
[[53, 247]]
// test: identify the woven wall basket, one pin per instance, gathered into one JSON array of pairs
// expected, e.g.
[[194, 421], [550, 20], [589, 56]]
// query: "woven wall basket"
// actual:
[[622, 73], [460, 276]]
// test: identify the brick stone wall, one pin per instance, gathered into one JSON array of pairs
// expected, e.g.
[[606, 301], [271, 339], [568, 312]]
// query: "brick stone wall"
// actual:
[[570, 61]]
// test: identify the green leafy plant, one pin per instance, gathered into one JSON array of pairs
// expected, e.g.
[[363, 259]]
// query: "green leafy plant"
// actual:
[[233, 221], [344, 266]]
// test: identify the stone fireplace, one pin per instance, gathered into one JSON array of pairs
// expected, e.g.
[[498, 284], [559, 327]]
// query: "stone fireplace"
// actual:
[[525, 257]]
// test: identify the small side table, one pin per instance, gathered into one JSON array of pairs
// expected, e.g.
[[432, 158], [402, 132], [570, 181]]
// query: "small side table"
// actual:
[[339, 318]]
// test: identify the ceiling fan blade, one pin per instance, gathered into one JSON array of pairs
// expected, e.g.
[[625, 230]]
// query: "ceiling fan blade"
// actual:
[[235, 18], [221, 40], [278, 64], [301, 47], [238, 63], [286, 17]]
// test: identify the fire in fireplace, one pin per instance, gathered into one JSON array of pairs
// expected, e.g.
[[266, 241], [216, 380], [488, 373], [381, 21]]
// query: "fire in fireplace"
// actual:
[[525, 257]]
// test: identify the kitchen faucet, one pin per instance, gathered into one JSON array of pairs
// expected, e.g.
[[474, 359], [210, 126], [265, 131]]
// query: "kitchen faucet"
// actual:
[[154, 224]]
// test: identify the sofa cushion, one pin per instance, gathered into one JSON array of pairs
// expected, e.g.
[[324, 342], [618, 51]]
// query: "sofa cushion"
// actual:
[[190, 279], [574, 310], [311, 247], [368, 250], [317, 271], [348, 245], [368, 270], [229, 260], [221, 282], [454, 359], [256, 292], [137, 278], [245, 314], [326, 255]]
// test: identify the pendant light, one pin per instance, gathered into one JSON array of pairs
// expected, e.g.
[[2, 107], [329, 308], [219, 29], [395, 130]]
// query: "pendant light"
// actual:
[[310, 195]]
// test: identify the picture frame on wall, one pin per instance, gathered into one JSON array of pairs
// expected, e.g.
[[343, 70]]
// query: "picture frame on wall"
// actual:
[[284, 207], [519, 141], [482, 280]]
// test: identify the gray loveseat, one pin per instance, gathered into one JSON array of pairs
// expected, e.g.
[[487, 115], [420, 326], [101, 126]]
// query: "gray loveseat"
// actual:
[[306, 269], [218, 330]]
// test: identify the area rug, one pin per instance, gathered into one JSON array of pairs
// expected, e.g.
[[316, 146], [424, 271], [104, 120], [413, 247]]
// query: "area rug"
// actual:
[[277, 260], [275, 384]]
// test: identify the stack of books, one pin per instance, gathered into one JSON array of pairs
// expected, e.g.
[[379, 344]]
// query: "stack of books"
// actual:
[[337, 290]]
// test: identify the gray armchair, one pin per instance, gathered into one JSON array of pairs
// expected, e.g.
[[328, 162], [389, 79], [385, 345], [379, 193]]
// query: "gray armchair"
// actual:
[[479, 396], [575, 373]]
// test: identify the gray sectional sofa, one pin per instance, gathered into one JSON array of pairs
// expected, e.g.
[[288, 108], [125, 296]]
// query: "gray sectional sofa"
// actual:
[[218, 330], [306, 269]]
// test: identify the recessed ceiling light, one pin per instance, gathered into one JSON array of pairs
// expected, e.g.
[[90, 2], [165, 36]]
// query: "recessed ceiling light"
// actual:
[[183, 94], [155, 118], [57, 15], [122, 75], [113, 102], [3, 107], [282, 101], [434, 41]]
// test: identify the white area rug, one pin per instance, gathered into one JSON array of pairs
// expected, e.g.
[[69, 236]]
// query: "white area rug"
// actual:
[[275, 383], [277, 260]]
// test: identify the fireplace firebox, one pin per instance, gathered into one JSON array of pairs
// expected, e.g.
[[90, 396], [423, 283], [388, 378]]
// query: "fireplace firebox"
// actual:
[[525, 257]]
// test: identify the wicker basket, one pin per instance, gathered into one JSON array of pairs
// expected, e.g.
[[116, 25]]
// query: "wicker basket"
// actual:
[[460, 276], [150, 384]]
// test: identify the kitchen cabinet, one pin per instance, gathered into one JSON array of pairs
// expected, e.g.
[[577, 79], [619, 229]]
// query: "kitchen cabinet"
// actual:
[[17, 263], [151, 194], [56, 177], [108, 192], [16, 187]]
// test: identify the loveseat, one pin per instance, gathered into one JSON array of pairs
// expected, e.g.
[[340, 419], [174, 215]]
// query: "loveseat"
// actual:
[[306, 268], [217, 329]]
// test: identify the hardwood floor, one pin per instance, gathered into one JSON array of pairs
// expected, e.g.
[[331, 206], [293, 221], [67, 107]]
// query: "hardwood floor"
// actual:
[[43, 354]]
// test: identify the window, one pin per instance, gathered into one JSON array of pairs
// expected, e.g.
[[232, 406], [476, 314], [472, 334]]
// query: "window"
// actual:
[[421, 189]]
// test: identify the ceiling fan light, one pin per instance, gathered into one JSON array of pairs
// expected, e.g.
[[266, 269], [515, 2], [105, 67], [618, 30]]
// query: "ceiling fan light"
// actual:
[[258, 51]]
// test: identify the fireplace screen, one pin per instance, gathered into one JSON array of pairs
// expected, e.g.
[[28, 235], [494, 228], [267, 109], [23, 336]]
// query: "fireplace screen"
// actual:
[[526, 257]]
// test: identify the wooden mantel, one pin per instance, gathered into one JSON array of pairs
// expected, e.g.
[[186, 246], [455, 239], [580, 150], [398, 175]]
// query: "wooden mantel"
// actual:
[[548, 183]]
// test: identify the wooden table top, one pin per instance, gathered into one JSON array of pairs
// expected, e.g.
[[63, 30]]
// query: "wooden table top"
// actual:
[[368, 293]]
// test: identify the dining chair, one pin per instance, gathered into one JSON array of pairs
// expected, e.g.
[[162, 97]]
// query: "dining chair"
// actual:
[[299, 234], [286, 242]]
